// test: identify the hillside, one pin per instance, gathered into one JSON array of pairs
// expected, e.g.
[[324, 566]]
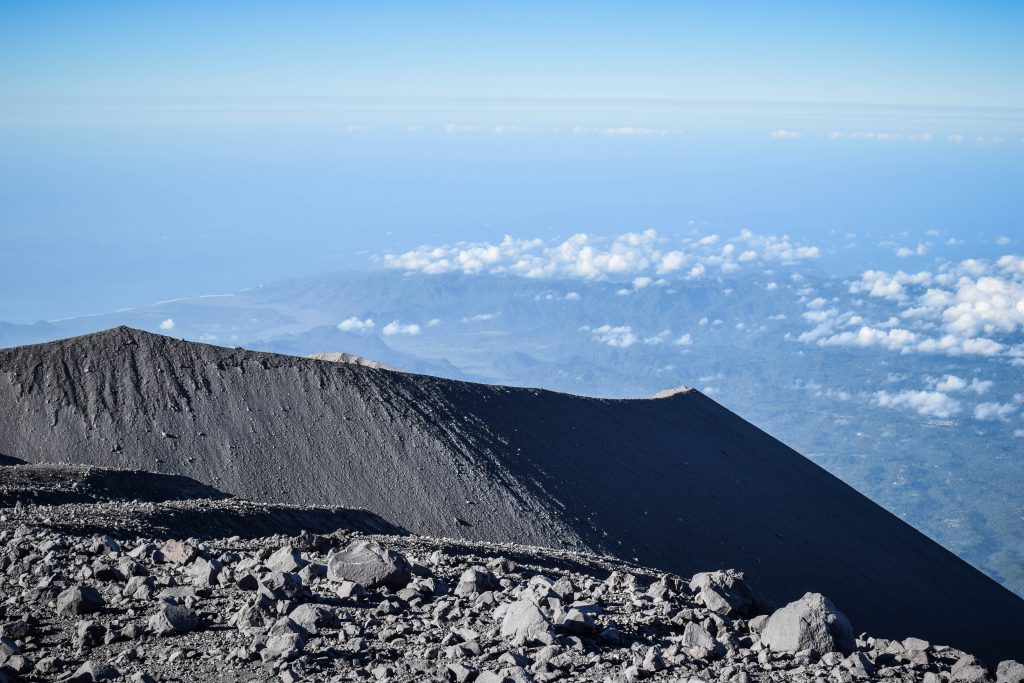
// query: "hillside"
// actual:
[[678, 483]]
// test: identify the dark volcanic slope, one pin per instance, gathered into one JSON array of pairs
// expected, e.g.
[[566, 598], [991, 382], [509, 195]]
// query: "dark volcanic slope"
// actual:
[[679, 483]]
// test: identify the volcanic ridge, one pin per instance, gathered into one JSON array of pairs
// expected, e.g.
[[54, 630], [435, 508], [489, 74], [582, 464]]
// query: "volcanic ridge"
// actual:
[[678, 484]]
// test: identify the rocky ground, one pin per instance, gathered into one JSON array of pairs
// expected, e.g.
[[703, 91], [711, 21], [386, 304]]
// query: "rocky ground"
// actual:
[[112, 590]]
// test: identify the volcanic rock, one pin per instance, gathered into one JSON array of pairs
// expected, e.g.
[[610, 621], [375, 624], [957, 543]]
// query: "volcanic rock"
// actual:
[[370, 565], [79, 600], [810, 623]]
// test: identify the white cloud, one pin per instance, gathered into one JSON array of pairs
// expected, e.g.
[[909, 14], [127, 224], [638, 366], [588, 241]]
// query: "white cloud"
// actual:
[[897, 339], [920, 250], [880, 137], [354, 324], [572, 296], [985, 141], [452, 128], [394, 327], [628, 131], [782, 134], [962, 309], [481, 317], [684, 340], [994, 411], [635, 255], [621, 336], [641, 282], [167, 324], [1003, 241], [930, 403], [952, 383], [434, 322]]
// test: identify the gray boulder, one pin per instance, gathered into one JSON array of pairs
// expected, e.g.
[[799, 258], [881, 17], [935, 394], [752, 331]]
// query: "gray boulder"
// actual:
[[1010, 671], [476, 580], [524, 623], [178, 552], [369, 564], [287, 559], [724, 592], [172, 619], [280, 586], [79, 600], [812, 622]]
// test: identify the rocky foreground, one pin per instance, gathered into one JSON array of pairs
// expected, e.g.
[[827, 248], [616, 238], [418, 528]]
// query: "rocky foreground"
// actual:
[[139, 604]]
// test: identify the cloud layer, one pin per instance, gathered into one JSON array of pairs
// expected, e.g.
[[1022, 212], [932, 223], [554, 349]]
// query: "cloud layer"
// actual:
[[974, 307], [636, 255]]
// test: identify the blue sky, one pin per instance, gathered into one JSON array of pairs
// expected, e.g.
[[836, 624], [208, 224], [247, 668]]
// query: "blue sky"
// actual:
[[913, 53]]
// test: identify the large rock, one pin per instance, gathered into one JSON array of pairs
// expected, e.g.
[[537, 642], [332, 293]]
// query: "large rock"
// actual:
[[1010, 671], [370, 564], [524, 623], [172, 619], [79, 600], [280, 585], [724, 592], [812, 622], [178, 552], [287, 559]]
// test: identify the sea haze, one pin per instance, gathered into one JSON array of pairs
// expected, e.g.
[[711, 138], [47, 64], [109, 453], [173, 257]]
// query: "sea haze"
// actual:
[[216, 196]]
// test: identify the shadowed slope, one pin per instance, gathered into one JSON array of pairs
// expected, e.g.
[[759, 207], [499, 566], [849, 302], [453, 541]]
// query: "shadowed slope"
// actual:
[[680, 482]]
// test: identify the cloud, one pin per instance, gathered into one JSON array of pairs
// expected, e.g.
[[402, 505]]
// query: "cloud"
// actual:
[[394, 327], [633, 255], [952, 383], [624, 336], [628, 131], [481, 317], [929, 403], [919, 250], [974, 307], [354, 324], [167, 324], [641, 282], [782, 134], [684, 340], [572, 296], [895, 340], [994, 411], [453, 128], [880, 137], [620, 337]]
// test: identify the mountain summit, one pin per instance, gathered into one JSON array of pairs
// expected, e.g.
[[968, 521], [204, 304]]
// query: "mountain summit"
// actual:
[[679, 483]]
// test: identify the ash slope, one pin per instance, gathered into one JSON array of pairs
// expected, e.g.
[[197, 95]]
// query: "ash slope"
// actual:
[[678, 483]]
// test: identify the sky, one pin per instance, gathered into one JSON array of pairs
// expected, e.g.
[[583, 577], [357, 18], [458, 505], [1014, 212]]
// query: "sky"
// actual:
[[910, 53], [155, 150]]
